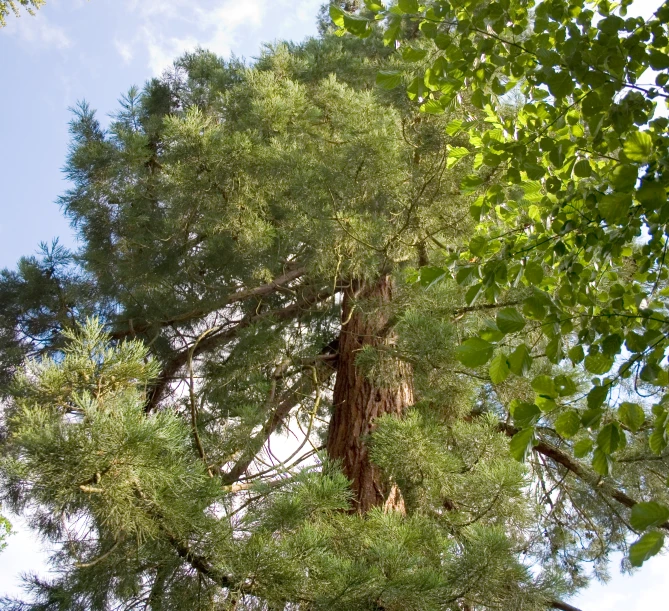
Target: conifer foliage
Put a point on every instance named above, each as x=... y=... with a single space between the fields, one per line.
x=247 y=388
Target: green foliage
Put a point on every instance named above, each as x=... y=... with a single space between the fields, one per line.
x=578 y=206
x=5 y=531
x=222 y=213
x=15 y=5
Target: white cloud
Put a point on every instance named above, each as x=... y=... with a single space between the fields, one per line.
x=170 y=28
x=640 y=591
x=38 y=31
x=125 y=50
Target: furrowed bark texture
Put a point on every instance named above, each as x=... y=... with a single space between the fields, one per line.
x=357 y=401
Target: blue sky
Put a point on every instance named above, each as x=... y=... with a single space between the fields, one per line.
x=74 y=50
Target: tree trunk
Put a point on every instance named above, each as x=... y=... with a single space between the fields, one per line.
x=358 y=401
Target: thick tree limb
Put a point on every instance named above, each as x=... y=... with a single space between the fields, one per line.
x=558 y=604
x=219 y=338
x=584 y=473
x=259 y=291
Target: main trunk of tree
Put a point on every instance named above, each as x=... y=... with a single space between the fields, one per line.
x=358 y=401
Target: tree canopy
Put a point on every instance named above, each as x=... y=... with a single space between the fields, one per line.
x=570 y=159
x=318 y=347
x=15 y=6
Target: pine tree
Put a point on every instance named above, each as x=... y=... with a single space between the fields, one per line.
x=251 y=239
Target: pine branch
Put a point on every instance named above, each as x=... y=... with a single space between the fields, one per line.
x=584 y=473
x=259 y=291
x=221 y=337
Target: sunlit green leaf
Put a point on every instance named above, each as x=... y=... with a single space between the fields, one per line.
x=544 y=385
x=582 y=448
x=520 y=360
x=388 y=79
x=568 y=424
x=474 y=352
x=598 y=363
x=509 y=320
x=631 y=415
x=499 y=369
x=646 y=547
x=638 y=146
x=521 y=444
x=648 y=515
x=608 y=438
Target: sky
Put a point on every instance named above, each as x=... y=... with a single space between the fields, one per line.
x=95 y=50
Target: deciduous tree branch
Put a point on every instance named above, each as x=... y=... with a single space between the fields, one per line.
x=584 y=473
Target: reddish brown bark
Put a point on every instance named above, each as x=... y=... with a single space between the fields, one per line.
x=357 y=401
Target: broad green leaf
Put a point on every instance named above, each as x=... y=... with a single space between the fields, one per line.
x=546 y=404
x=565 y=385
x=509 y=320
x=374 y=5
x=429 y=275
x=582 y=448
x=490 y=332
x=591 y=418
x=478 y=246
x=520 y=360
x=499 y=369
x=657 y=441
x=337 y=15
x=615 y=207
x=454 y=155
x=631 y=415
x=648 y=515
x=576 y=354
x=582 y=168
x=521 y=444
x=608 y=439
x=568 y=424
x=646 y=547
x=638 y=146
x=601 y=462
x=625 y=177
x=659 y=60
x=524 y=414
x=560 y=83
x=408 y=6
x=544 y=385
x=466 y=274
x=358 y=26
x=611 y=344
x=474 y=352
x=534 y=272
x=432 y=107
x=388 y=79
x=652 y=195
x=598 y=363
x=597 y=396
x=473 y=292
x=455 y=127
x=410 y=54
